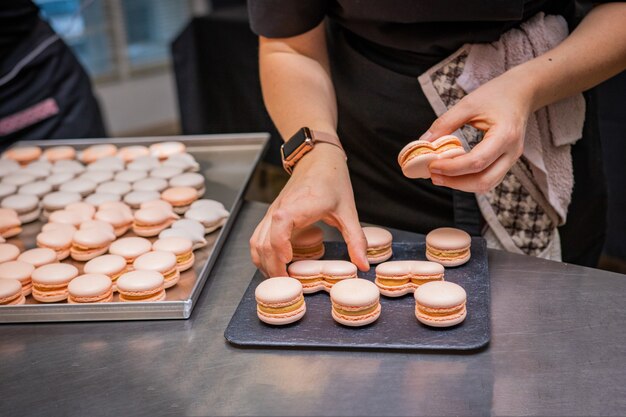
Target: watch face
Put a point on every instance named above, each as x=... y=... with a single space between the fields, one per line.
x=295 y=142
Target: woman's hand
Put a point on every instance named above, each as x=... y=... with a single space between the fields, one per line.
x=319 y=189
x=500 y=108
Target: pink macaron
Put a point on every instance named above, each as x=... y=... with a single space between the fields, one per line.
x=87 y=244
x=397 y=278
x=38 y=257
x=164 y=150
x=8 y=252
x=280 y=301
x=307 y=243
x=50 y=282
x=180 y=198
x=121 y=220
x=355 y=302
x=151 y=221
x=141 y=285
x=21 y=271
x=59 y=240
x=59 y=153
x=160 y=261
x=440 y=304
x=11 y=292
x=90 y=288
x=320 y=275
x=96 y=152
x=416 y=156
x=130 y=248
x=113 y=266
x=179 y=246
x=448 y=246
x=379 y=242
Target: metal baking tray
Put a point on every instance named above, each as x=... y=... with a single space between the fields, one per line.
x=227 y=163
x=397 y=327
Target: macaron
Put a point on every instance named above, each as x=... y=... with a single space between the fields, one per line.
x=66 y=217
x=210 y=219
x=151 y=184
x=58 y=240
x=416 y=156
x=280 y=301
x=197 y=241
x=355 y=302
x=8 y=252
x=120 y=220
x=130 y=248
x=379 y=242
x=56 y=180
x=23 y=155
x=90 y=288
x=130 y=153
x=181 y=247
x=164 y=205
x=194 y=228
x=135 y=198
x=118 y=205
x=38 y=188
x=307 y=243
x=58 y=200
x=165 y=173
x=26 y=206
x=87 y=244
x=207 y=204
x=58 y=153
x=95 y=152
x=114 y=187
x=50 y=282
x=440 y=304
x=6 y=190
x=39 y=172
x=184 y=160
x=189 y=179
x=97 y=199
x=97 y=224
x=164 y=150
x=10 y=226
x=19 y=178
x=108 y=163
x=140 y=285
x=8 y=166
x=113 y=266
x=41 y=164
x=160 y=261
x=448 y=246
x=180 y=198
x=144 y=163
x=130 y=176
x=11 y=292
x=38 y=257
x=74 y=167
x=151 y=221
x=21 y=271
x=397 y=278
x=321 y=275
x=98 y=176
x=83 y=209
x=82 y=186
x=64 y=227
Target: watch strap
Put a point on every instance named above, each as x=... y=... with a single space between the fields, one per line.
x=329 y=138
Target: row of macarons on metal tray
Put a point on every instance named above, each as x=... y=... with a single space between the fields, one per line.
x=88 y=201
x=356 y=301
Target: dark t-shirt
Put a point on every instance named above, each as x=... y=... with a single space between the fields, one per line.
x=17 y=19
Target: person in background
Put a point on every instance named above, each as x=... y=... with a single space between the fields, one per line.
x=350 y=70
x=44 y=91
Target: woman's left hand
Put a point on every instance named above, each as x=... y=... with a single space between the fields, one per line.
x=500 y=108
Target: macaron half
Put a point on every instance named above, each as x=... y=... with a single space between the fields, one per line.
x=355 y=302
x=50 y=282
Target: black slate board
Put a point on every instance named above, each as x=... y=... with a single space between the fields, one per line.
x=396 y=328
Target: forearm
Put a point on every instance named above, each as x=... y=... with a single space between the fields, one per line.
x=296 y=83
x=594 y=52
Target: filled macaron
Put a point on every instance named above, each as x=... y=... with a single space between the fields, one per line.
x=160 y=261
x=280 y=301
x=21 y=271
x=321 y=275
x=141 y=286
x=132 y=152
x=26 y=207
x=397 y=278
x=440 y=304
x=448 y=246
x=10 y=225
x=189 y=179
x=11 y=292
x=23 y=155
x=355 y=302
x=120 y=219
x=130 y=248
x=50 y=282
x=59 y=153
x=8 y=252
x=379 y=242
x=87 y=244
x=151 y=221
x=164 y=150
x=181 y=247
x=95 y=152
x=38 y=257
x=90 y=288
x=307 y=243
x=59 y=240
x=112 y=266
x=180 y=198
x=151 y=184
x=416 y=156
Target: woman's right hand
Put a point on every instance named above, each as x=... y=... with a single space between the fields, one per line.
x=319 y=189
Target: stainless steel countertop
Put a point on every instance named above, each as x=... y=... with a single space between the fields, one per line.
x=558 y=348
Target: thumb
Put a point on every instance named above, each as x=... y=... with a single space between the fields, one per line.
x=448 y=122
x=352 y=233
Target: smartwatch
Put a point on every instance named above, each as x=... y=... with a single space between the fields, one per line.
x=302 y=143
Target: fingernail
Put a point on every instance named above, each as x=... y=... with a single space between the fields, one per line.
x=426 y=135
x=436 y=180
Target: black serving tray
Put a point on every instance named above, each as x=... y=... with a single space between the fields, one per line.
x=396 y=328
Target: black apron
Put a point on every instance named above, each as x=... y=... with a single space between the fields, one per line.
x=380 y=110
x=50 y=98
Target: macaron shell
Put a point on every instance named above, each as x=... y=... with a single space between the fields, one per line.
x=38 y=256
x=417 y=167
x=355 y=292
x=448 y=238
x=53 y=274
x=160 y=261
x=440 y=294
x=130 y=247
x=414 y=268
x=8 y=252
x=278 y=290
